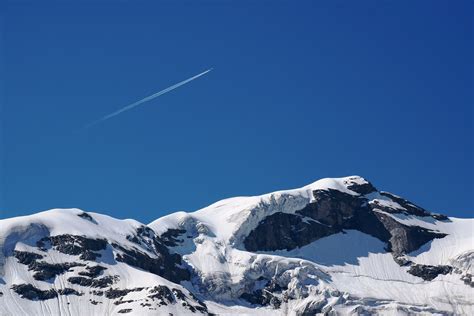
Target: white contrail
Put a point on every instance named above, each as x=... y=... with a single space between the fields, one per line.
x=151 y=97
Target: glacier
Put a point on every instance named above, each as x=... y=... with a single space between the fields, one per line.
x=338 y=246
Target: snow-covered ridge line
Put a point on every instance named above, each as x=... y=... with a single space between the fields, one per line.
x=226 y=216
x=336 y=246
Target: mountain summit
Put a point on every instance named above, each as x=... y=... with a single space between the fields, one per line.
x=337 y=247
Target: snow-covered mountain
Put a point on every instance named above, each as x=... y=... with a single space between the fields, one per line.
x=336 y=247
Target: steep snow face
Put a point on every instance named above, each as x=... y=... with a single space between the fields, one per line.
x=233 y=218
x=336 y=246
x=68 y=262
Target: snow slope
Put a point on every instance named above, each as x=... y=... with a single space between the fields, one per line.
x=352 y=262
x=22 y=233
x=337 y=246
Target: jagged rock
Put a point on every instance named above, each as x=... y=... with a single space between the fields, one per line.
x=27 y=258
x=120 y=302
x=75 y=245
x=405 y=239
x=262 y=297
x=30 y=292
x=163 y=294
x=166 y=265
x=97 y=283
x=362 y=188
x=93 y=272
x=266 y=295
x=118 y=293
x=331 y=212
x=125 y=311
x=46 y=271
x=427 y=272
x=170 y=237
x=43 y=270
x=88 y=217
x=285 y=231
x=409 y=207
x=345 y=272
x=69 y=291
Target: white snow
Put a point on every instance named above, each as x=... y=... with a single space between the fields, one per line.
x=356 y=263
x=347 y=271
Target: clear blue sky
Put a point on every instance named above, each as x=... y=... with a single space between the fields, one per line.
x=299 y=91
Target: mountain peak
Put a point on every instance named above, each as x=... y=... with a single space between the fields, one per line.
x=351 y=185
x=335 y=246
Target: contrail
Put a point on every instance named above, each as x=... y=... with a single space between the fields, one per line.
x=149 y=98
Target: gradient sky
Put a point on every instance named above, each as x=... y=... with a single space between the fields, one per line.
x=298 y=92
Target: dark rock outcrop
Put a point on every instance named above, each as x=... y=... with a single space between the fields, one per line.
x=88 y=217
x=405 y=239
x=410 y=208
x=170 y=237
x=69 y=291
x=46 y=271
x=263 y=298
x=124 y=311
x=30 y=292
x=332 y=212
x=166 y=264
x=162 y=294
x=119 y=293
x=27 y=258
x=92 y=271
x=96 y=283
x=85 y=248
x=43 y=270
x=285 y=231
x=267 y=296
x=427 y=272
x=362 y=188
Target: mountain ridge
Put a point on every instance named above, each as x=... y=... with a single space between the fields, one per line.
x=330 y=247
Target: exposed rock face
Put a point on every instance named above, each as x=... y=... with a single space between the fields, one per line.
x=114 y=293
x=93 y=271
x=30 y=292
x=167 y=265
x=363 y=188
x=85 y=248
x=95 y=282
x=409 y=208
x=170 y=237
x=43 y=270
x=427 y=272
x=69 y=291
x=331 y=212
x=404 y=239
x=323 y=249
x=285 y=231
x=265 y=296
x=27 y=258
x=163 y=294
x=88 y=217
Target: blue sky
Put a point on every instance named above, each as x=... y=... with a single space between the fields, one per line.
x=299 y=91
